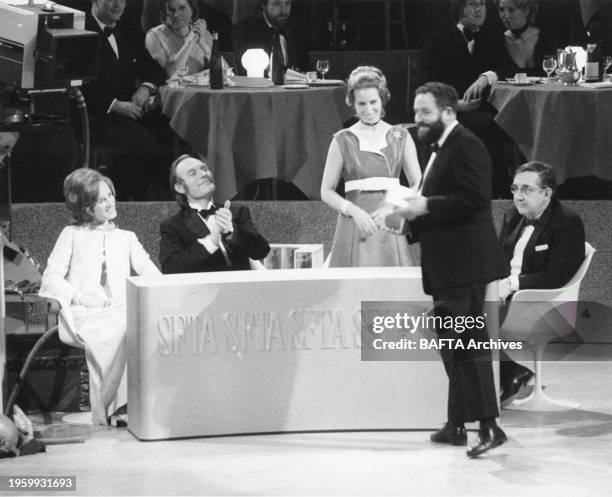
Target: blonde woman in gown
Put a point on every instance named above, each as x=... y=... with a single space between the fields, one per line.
x=86 y=273
x=369 y=156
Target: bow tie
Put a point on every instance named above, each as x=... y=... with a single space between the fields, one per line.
x=435 y=148
x=529 y=222
x=208 y=212
x=470 y=35
x=108 y=31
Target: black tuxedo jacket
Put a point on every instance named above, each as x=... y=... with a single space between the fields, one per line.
x=254 y=32
x=118 y=77
x=445 y=58
x=459 y=244
x=180 y=251
x=554 y=251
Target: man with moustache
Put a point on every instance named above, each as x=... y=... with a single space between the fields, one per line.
x=451 y=217
x=258 y=31
x=543 y=246
x=204 y=236
x=458 y=57
x=137 y=137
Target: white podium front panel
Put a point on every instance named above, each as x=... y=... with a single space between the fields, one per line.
x=270 y=351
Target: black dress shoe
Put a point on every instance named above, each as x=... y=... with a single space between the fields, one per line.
x=488 y=438
x=511 y=389
x=450 y=434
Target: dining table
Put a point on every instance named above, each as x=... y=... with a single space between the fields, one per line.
x=568 y=127
x=254 y=133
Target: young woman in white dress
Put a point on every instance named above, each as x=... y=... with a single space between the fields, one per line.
x=86 y=273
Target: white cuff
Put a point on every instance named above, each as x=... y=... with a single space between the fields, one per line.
x=110 y=107
x=491 y=77
x=208 y=244
x=514 y=283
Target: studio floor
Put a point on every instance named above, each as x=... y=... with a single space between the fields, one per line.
x=548 y=453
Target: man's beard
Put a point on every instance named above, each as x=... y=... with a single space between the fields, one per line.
x=430 y=133
x=279 y=22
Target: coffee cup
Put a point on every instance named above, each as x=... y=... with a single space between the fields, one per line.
x=520 y=77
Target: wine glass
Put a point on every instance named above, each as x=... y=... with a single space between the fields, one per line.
x=322 y=67
x=181 y=72
x=606 y=60
x=549 y=64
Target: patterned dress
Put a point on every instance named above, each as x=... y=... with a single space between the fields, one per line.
x=385 y=161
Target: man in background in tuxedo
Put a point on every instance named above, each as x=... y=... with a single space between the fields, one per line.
x=137 y=137
x=257 y=32
x=543 y=245
x=460 y=254
x=458 y=57
x=204 y=236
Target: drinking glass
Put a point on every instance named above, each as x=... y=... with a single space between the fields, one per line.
x=606 y=60
x=322 y=67
x=181 y=72
x=549 y=64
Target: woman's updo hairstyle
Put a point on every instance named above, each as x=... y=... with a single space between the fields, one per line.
x=367 y=77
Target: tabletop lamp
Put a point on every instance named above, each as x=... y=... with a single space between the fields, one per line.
x=255 y=60
x=581 y=56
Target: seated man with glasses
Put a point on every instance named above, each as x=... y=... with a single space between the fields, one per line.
x=543 y=244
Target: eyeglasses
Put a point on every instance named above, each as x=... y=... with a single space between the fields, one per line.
x=524 y=189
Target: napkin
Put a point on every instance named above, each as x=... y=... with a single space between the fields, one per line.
x=600 y=84
x=292 y=75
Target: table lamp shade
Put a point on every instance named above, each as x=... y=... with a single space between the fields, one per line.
x=581 y=56
x=255 y=61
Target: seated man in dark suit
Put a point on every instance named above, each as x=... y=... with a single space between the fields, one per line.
x=257 y=32
x=138 y=139
x=204 y=236
x=457 y=57
x=543 y=244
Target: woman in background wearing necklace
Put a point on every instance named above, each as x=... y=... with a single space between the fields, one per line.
x=525 y=43
x=86 y=273
x=369 y=156
x=182 y=39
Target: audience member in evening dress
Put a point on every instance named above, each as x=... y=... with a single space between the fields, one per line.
x=182 y=39
x=86 y=273
x=134 y=136
x=203 y=236
x=457 y=57
x=369 y=156
x=543 y=245
x=258 y=31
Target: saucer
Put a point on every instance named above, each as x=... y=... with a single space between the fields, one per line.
x=295 y=86
x=326 y=82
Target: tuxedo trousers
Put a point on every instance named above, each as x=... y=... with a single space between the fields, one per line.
x=471 y=387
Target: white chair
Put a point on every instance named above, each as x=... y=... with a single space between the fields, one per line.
x=535 y=317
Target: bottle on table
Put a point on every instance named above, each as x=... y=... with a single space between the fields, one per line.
x=277 y=65
x=331 y=41
x=343 y=44
x=216 y=64
x=593 y=70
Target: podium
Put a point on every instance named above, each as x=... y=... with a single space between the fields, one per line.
x=271 y=351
